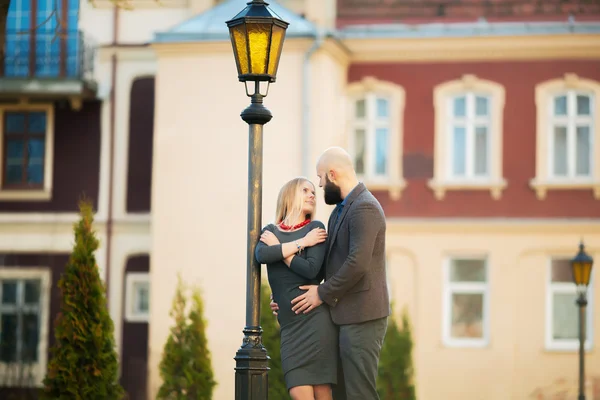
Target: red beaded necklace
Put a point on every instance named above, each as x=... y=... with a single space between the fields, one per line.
x=285 y=227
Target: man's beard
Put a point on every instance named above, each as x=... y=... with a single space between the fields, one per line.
x=333 y=193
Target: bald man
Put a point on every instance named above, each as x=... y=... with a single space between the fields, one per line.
x=355 y=286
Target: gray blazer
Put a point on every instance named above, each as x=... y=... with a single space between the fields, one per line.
x=355 y=284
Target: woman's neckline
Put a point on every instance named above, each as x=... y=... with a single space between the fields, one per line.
x=299 y=229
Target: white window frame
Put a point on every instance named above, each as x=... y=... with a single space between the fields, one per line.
x=42 y=273
x=443 y=180
x=370 y=89
x=132 y=278
x=45 y=193
x=451 y=288
x=470 y=121
x=569 y=345
x=571 y=122
x=544 y=99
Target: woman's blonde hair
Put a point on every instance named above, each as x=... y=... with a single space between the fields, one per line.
x=290 y=202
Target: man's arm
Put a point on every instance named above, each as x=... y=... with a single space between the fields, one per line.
x=365 y=223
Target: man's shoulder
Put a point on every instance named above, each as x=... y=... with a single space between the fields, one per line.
x=367 y=198
x=366 y=201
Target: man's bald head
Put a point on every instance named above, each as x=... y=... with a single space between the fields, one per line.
x=336 y=174
x=336 y=159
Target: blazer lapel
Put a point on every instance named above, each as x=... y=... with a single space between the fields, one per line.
x=355 y=193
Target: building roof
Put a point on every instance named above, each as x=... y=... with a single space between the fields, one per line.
x=210 y=26
x=468 y=29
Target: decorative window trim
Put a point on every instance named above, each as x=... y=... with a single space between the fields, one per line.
x=567 y=345
x=45 y=193
x=466 y=287
x=131 y=279
x=42 y=273
x=394 y=183
x=543 y=95
x=495 y=183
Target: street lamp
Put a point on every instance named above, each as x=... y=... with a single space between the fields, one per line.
x=257 y=36
x=582 y=271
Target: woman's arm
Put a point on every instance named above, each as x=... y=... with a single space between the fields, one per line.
x=309 y=267
x=289 y=249
x=266 y=254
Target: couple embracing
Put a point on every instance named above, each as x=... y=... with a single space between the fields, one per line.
x=331 y=331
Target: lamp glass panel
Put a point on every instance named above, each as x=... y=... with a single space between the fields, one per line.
x=258 y=39
x=276 y=46
x=582 y=272
x=240 y=43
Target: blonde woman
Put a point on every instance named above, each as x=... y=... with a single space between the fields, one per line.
x=294 y=249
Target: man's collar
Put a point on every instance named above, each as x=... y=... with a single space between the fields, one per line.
x=343 y=203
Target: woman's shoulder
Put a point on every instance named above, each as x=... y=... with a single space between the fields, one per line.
x=269 y=227
x=316 y=224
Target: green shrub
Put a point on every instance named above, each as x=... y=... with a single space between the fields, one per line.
x=84 y=363
x=395 y=375
x=186 y=368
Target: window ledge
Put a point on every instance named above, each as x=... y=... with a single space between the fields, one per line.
x=393 y=186
x=567 y=348
x=450 y=343
x=441 y=187
x=25 y=195
x=541 y=187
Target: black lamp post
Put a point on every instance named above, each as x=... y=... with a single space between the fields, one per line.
x=582 y=271
x=257 y=36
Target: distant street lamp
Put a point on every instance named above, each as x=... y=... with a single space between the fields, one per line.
x=582 y=271
x=257 y=36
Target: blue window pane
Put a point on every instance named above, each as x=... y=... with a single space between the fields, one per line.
x=32 y=291
x=37 y=122
x=560 y=150
x=72 y=55
x=481 y=106
x=9 y=292
x=382 y=108
x=35 y=148
x=560 y=105
x=15 y=149
x=459 y=166
x=35 y=171
x=30 y=339
x=14 y=174
x=381 y=157
x=15 y=122
x=460 y=106
x=583 y=147
x=583 y=105
x=8 y=340
x=16 y=60
x=481 y=150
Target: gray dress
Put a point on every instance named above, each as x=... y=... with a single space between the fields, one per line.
x=309 y=342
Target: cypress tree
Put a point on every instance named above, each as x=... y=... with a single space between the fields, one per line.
x=186 y=368
x=84 y=363
x=395 y=375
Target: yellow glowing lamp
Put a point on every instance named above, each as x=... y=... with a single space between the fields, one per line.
x=582 y=268
x=257 y=36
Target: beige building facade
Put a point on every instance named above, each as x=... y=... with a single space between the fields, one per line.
x=479 y=260
x=488 y=295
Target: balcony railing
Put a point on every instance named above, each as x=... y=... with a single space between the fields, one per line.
x=47 y=55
